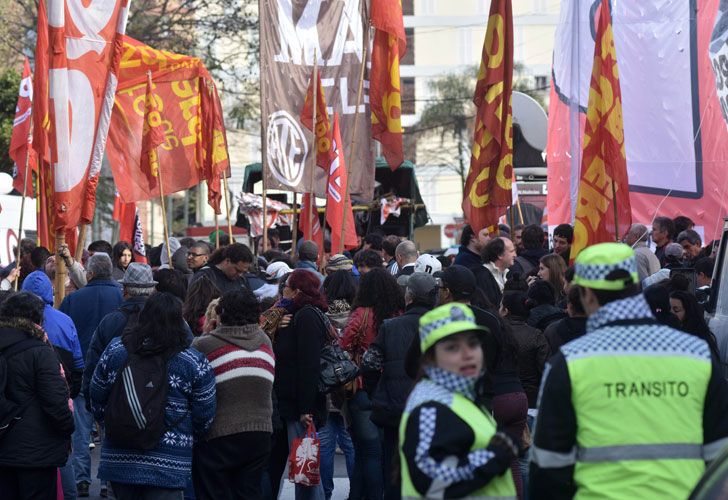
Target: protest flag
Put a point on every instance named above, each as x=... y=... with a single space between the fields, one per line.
x=152 y=136
x=487 y=193
x=338 y=205
x=130 y=227
x=603 y=211
x=21 y=140
x=322 y=130
x=385 y=96
x=309 y=222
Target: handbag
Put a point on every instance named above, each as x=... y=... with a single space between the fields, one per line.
x=304 y=459
x=337 y=368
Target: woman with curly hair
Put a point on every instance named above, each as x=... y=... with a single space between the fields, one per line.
x=340 y=290
x=297 y=349
x=379 y=298
x=122 y=257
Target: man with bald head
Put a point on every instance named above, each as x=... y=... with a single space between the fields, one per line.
x=647 y=262
x=406 y=257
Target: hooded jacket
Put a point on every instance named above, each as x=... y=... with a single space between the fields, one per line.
x=42 y=437
x=60 y=329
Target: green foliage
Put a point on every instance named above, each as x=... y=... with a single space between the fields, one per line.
x=9 y=84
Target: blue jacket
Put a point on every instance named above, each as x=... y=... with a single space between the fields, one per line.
x=190 y=402
x=112 y=326
x=89 y=305
x=59 y=327
x=310 y=266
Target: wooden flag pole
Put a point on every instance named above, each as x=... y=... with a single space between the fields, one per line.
x=352 y=148
x=294 y=237
x=520 y=212
x=217 y=232
x=616 y=216
x=80 y=243
x=22 y=201
x=314 y=149
x=164 y=213
x=265 y=215
x=227 y=207
x=59 y=291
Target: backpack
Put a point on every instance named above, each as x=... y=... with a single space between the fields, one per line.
x=10 y=412
x=135 y=412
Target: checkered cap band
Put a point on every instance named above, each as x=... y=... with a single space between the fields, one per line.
x=594 y=264
x=444 y=321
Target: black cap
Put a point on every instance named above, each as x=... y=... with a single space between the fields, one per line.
x=458 y=279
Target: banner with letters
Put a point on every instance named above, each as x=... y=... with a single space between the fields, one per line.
x=675 y=139
x=290 y=34
x=188 y=112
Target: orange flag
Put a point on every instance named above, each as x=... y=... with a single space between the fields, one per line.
x=152 y=135
x=487 y=193
x=337 y=207
x=604 y=185
x=385 y=97
x=324 y=153
x=21 y=140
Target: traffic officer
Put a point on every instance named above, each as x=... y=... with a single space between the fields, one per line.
x=450 y=447
x=633 y=409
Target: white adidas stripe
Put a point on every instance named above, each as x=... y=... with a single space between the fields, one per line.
x=246 y=371
x=242 y=354
x=133 y=399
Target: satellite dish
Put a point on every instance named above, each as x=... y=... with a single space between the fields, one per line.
x=531 y=118
x=6 y=183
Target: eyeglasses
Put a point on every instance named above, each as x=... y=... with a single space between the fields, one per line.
x=191 y=254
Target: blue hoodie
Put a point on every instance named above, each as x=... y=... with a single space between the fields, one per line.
x=59 y=327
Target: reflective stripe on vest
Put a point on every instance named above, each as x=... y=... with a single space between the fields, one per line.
x=483 y=427
x=466 y=498
x=666 y=451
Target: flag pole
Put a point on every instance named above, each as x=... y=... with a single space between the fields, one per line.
x=79 y=244
x=294 y=229
x=265 y=214
x=227 y=206
x=616 y=216
x=352 y=148
x=314 y=149
x=25 y=193
x=217 y=232
x=520 y=212
x=60 y=287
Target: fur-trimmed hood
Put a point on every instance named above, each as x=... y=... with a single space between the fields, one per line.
x=24 y=325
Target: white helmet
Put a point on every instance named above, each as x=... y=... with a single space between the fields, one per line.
x=427 y=263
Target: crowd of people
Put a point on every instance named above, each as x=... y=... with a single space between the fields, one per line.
x=477 y=367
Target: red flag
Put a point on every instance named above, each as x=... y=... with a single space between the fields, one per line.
x=130 y=227
x=324 y=153
x=152 y=135
x=77 y=60
x=385 y=97
x=310 y=212
x=194 y=147
x=336 y=206
x=604 y=184
x=21 y=141
x=487 y=193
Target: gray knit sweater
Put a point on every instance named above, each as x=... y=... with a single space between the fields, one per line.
x=243 y=362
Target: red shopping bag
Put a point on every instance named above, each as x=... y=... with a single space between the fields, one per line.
x=303 y=462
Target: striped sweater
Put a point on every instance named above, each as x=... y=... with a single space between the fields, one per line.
x=242 y=360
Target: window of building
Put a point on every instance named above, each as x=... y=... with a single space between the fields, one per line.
x=408 y=7
x=409 y=57
x=408 y=95
x=542 y=82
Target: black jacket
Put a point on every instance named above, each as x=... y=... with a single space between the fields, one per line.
x=42 y=437
x=527 y=262
x=390 y=348
x=564 y=331
x=533 y=352
x=297 y=350
x=467 y=258
x=542 y=316
x=485 y=280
